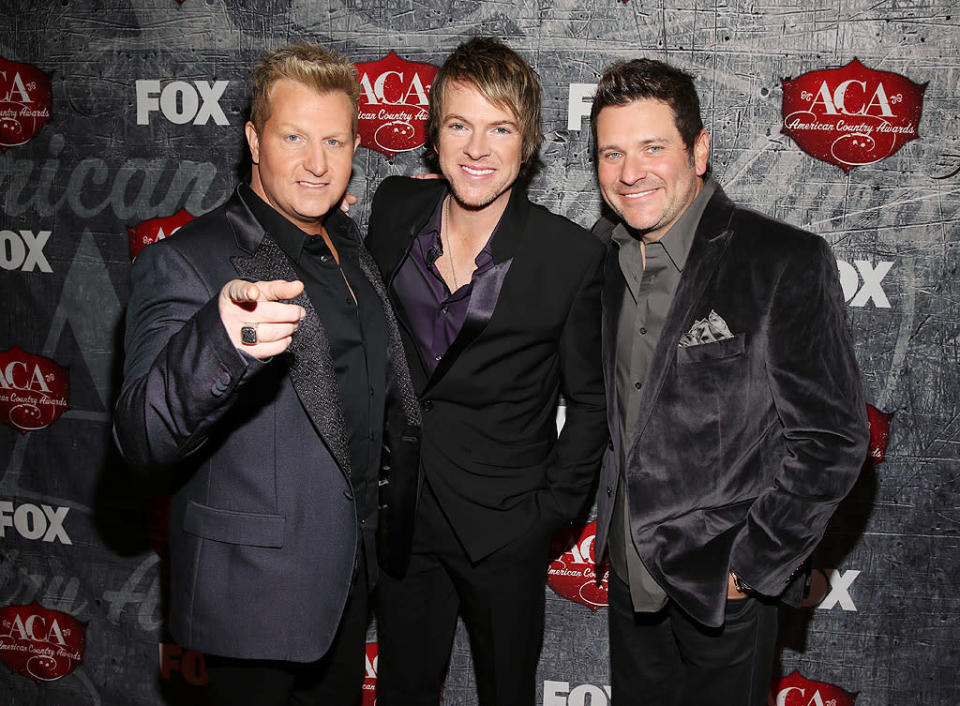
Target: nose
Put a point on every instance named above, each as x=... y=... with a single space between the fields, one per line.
x=477 y=146
x=315 y=160
x=633 y=170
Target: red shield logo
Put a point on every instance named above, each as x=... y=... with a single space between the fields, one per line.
x=394 y=97
x=25 y=101
x=155 y=229
x=33 y=390
x=852 y=115
x=879 y=434
x=573 y=573
x=369 y=696
x=797 y=690
x=40 y=644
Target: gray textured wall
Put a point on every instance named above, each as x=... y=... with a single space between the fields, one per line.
x=93 y=171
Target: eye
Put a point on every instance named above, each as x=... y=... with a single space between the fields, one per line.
x=334 y=142
x=293 y=139
x=502 y=130
x=611 y=156
x=457 y=126
x=653 y=149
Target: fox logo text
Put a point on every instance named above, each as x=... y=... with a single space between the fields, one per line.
x=23 y=250
x=181 y=102
x=861 y=282
x=42 y=522
x=560 y=693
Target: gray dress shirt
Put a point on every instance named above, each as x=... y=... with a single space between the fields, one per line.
x=646 y=301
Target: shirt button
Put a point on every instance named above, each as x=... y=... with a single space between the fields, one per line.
x=324 y=258
x=443 y=310
x=643 y=331
x=371 y=390
x=637 y=385
x=438 y=356
x=427 y=405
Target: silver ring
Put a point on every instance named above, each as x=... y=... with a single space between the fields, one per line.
x=248 y=335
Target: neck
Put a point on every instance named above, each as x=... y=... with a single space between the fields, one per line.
x=468 y=221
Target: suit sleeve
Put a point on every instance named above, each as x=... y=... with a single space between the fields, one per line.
x=575 y=462
x=181 y=369
x=816 y=389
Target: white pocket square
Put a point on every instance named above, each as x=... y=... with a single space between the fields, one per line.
x=708 y=330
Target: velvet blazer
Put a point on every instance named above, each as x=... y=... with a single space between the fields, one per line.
x=743 y=447
x=490 y=449
x=263 y=529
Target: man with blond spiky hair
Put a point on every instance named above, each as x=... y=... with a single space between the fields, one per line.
x=264 y=373
x=499 y=308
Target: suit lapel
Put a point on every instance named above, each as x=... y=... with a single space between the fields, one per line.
x=614 y=287
x=309 y=357
x=709 y=244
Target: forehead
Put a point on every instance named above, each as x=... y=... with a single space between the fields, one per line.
x=297 y=102
x=466 y=100
x=642 y=119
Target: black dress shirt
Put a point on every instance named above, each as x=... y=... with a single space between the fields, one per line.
x=355 y=329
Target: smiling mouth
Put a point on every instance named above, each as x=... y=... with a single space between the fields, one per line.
x=477 y=171
x=310 y=185
x=638 y=194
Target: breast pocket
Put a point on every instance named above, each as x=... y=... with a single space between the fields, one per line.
x=718 y=350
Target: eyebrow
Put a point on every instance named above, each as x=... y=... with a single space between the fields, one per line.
x=463 y=119
x=642 y=143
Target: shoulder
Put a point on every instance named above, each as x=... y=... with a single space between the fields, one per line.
x=563 y=237
x=407 y=190
x=759 y=236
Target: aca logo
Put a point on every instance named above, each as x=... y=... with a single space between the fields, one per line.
x=369 y=696
x=25 y=102
x=573 y=573
x=394 y=97
x=154 y=229
x=879 y=434
x=181 y=102
x=797 y=690
x=40 y=644
x=33 y=390
x=852 y=115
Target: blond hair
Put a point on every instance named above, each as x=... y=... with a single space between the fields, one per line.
x=309 y=64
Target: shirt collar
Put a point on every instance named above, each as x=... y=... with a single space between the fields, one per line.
x=289 y=237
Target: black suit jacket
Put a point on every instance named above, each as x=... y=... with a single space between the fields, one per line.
x=490 y=449
x=743 y=447
x=263 y=528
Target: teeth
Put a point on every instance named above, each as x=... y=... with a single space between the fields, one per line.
x=477 y=172
x=638 y=194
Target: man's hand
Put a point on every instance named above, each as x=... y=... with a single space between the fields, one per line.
x=732 y=590
x=347 y=201
x=255 y=317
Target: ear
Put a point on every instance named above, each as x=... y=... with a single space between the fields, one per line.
x=356 y=143
x=253 y=141
x=701 y=152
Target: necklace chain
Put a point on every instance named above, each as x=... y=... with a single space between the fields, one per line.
x=449 y=243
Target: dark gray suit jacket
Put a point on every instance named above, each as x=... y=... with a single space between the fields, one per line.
x=263 y=529
x=743 y=447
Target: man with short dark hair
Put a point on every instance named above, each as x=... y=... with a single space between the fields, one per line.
x=499 y=307
x=734 y=404
x=264 y=373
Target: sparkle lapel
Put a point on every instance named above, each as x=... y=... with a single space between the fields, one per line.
x=309 y=358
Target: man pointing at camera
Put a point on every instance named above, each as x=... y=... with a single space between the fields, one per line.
x=264 y=374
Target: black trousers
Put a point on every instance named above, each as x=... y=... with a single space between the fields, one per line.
x=668 y=659
x=501 y=601
x=334 y=679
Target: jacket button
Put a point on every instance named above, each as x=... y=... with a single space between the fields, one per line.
x=348 y=495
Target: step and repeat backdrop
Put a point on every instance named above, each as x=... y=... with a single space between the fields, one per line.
x=122 y=120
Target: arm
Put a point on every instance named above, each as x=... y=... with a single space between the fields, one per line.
x=183 y=359
x=813 y=378
x=576 y=456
